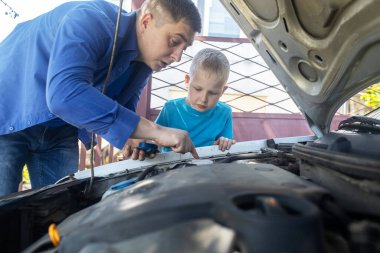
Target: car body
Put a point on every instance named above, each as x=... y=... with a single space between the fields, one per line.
x=302 y=194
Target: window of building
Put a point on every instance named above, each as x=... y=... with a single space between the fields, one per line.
x=217 y=22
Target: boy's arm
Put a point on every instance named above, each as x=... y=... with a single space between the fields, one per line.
x=227 y=131
x=225 y=139
x=162 y=118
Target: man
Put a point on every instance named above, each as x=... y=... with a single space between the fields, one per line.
x=52 y=72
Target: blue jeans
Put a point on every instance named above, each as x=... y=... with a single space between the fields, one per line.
x=49 y=152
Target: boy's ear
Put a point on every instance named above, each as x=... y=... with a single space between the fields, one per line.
x=187 y=80
x=224 y=89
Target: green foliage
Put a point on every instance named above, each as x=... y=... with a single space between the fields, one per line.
x=25 y=175
x=371 y=96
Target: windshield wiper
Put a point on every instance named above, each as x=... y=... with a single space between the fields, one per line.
x=360 y=124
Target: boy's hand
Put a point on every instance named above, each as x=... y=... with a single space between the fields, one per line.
x=224 y=143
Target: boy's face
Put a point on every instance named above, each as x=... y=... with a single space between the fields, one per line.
x=205 y=89
x=161 y=45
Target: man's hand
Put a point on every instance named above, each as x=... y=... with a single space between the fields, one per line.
x=131 y=151
x=176 y=139
x=224 y=143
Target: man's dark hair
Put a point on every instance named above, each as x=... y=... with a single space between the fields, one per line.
x=178 y=9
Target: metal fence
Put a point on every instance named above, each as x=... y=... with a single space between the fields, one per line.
x=252 y=87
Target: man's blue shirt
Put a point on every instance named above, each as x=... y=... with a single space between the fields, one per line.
x=54 y=67
x=204 y=127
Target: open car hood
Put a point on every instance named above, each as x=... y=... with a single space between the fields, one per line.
x=322 y=52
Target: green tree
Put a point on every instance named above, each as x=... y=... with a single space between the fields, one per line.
x=371 y=96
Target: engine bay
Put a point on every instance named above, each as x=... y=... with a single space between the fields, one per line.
x=283 y=197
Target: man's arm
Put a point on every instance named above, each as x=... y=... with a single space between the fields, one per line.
x=77 y=53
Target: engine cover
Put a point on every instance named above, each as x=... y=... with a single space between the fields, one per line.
x=211 y=208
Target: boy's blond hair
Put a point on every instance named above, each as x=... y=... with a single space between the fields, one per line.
x=212 y=61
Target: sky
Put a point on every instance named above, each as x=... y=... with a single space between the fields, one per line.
x=26 y=10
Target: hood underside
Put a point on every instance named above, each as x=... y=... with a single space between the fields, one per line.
x=322 y=52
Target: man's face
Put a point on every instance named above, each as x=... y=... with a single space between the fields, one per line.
x=205 y=89
x=161 y=45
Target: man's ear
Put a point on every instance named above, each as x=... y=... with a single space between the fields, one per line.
x=145 y=20
x=187 y=80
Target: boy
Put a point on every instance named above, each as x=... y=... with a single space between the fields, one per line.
x=207 y=120
x=52 y=72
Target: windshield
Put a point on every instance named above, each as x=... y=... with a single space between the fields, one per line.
x=364 y=103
